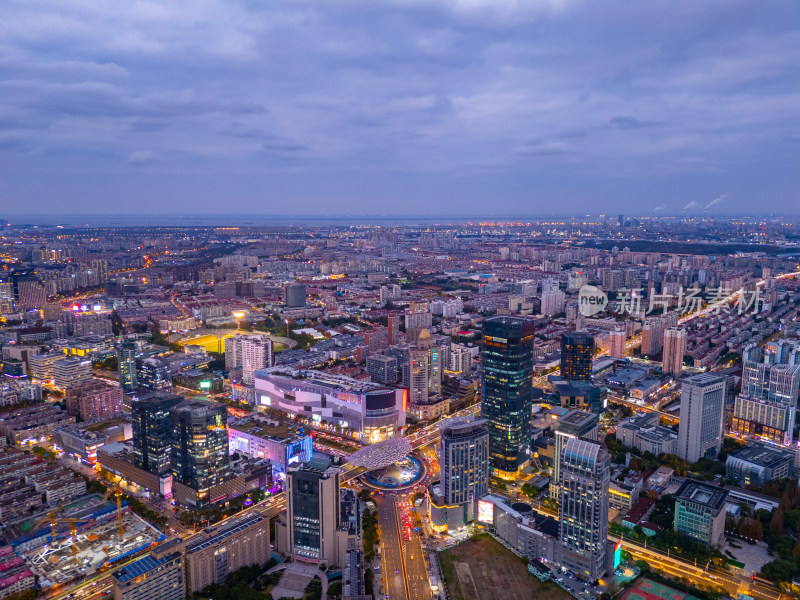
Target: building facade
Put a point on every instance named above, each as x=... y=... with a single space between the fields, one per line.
x=199 y=453
x=577 y=348
x=507 y=381
x=126 y=366
x=700 y=432
x=583 y=511
x=312 y=510
x=674 y=349
x=152 y=431
x=700 y=512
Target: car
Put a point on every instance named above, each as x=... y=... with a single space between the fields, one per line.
x=396 y=571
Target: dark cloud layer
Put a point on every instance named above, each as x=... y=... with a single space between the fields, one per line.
x=399 y=107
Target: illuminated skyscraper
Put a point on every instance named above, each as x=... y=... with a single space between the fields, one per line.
x=576 y=356
x=200 y=445
x=126 y=364
x=507 y=381
x=583 y=511
x=152 y=431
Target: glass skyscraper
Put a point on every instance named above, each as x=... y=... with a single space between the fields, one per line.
x=126 y=364
x=152 y=431
x=507 y=381
x=576 y=356
x=200 y=445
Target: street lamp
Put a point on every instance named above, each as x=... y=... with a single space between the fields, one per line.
x=238 y=314
x=287 y=327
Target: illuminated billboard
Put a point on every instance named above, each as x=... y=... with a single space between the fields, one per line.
x=485 y=512
x=617 y=555
x=205 y=385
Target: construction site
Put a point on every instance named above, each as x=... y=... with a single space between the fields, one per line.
x=82 y=536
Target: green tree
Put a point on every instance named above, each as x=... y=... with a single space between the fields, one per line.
x=779 y=570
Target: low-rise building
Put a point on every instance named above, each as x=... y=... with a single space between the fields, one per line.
x=258 y=436
x=158 y=575
x=622 y=496
x=32 y=424
x=756 y=464
x=700 y=512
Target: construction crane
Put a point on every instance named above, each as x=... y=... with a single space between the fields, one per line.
x=54 y=521
x=117 y=491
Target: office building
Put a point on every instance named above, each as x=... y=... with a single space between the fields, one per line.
x=577 y=348
x=157 y=575
x=216 y=552
x=94 y=400
x=756 y=464
x=674 y=349
x=642 y=432
x=313 y=510
x=153 y=375
x=199 y=455
x=250 y=353
x=382 y=368
x=464 y=472
x=702 y=413
x=295 y=296
x=152 y=431
x=700 y=512
x=617 y=343
x=507 y=381
x=766 y=408
x=375 y=411
x=583 y=510
x=126 y=365
x=574 y=424
x=71 y=370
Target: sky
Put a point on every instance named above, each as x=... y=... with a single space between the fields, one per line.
x=399 y=107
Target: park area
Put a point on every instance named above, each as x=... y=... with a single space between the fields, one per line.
x=483 y=569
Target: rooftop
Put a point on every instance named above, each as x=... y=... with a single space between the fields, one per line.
x=139 y=567
x=701 y=493
x=762 y=455
x=704 y=379
x=263 y=429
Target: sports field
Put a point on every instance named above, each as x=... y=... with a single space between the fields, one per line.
x=485 y=570
x=216 y=343
x=647 y=589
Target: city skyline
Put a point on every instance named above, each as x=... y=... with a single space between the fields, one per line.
x=407 y=109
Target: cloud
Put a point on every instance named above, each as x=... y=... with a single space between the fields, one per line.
x=408 y=104
x=142 y=158
x=628 y=122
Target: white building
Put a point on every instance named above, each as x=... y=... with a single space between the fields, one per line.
x=553 y=302
x=702 y=413
x=250 y=352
